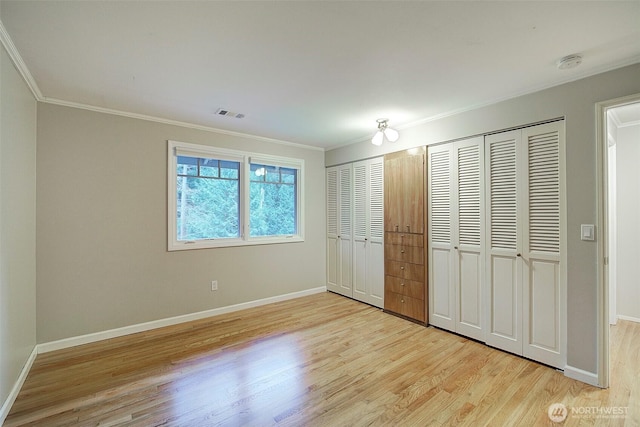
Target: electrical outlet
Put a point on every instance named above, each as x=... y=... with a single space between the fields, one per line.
x=214 y=285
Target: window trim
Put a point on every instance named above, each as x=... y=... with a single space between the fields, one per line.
x=175 y=148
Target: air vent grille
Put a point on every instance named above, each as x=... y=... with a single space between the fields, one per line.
x=227 y=113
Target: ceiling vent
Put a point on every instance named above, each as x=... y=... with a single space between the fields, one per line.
x=227 y=113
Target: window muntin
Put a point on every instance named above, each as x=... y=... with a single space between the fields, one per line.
x=216 y=198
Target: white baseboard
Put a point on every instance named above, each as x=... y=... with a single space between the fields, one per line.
x=629 y=318
x=581 y=375
x=6 y=406
x=141 y=327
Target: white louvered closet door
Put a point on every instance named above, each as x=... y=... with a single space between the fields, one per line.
x=339 y=229
x=332 y=230
x=375 y=246
x=468 y=235
x=368 y=230
x=503 y=298
x=456 y=236
x=345 y=231
x=360 y=229
x=440 y=269
x=544 y=296
x=526 y=299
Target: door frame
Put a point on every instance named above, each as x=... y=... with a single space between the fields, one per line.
x=602 y=232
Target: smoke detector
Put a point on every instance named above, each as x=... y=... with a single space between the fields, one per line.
x=569 y=61
x=227 y=113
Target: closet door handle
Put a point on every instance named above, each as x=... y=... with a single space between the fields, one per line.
x=519 y=255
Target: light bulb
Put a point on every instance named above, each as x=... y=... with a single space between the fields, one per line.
x=377 y=138
x=391 y=134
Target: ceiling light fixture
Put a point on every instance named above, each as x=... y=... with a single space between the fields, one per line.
x=384 y=131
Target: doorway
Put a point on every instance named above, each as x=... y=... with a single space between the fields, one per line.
x=618 y=122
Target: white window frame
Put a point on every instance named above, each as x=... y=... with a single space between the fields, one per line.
x=245 y=158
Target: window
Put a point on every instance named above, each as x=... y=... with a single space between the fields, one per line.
x=229 y=198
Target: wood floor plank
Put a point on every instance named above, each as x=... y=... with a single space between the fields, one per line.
x=322 y=360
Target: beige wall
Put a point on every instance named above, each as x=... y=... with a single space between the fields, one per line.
x=17 y=224
x=102 y=259
x=576 y=102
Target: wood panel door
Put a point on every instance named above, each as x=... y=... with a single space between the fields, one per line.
x=404 y=193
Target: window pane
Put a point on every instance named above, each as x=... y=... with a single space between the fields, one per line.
x=257 y=172
x=209 y=167
x=229 y=169
x=288 y=175
x=272 y=174
x=187 y=166
x=207 y=208
x=273 y=209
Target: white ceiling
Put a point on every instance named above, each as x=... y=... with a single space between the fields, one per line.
x=312 y=72
x=627 y=115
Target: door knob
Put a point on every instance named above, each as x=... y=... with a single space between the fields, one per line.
x=518 y=255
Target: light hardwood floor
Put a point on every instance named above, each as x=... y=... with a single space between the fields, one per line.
x=322 y=360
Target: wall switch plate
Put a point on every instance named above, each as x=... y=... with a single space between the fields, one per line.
x=214 y=285
x=587 y=232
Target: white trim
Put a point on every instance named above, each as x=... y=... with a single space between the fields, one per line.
x=13 y=53
x=141 y=327
x=629 y=318
x=13 y=394
x=580 y=375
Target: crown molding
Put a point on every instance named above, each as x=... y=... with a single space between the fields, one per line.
x=71 y=104
x=13 y=53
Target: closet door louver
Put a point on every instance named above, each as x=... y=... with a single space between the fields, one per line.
x=332 y=203
x=376 y=208
x=544 y=193
x=469 y=201
x=502 y=167
x=440 y=196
